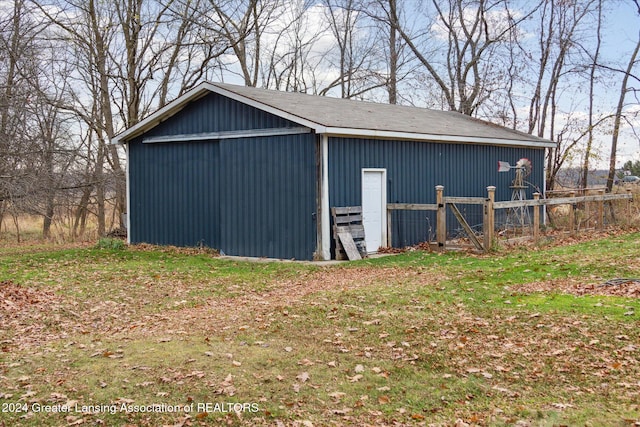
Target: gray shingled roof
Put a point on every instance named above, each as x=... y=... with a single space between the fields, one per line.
x=346 y=113
x=348 y=117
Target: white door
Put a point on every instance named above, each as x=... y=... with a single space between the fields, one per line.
x=374 y=207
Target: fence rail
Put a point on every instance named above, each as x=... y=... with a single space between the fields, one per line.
x=491 y=206
x=561 y=201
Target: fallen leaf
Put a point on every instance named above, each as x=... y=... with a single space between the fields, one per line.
x=355 y=378
x=562 y=405
x=303 y=377
x=74 y=421
x=383 y=400
x=337 y=395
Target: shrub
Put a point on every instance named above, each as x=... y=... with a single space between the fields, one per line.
x=110 y=243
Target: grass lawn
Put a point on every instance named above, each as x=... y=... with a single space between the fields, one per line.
x=160 y=336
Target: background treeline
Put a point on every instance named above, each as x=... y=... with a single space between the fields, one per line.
x=73 y=73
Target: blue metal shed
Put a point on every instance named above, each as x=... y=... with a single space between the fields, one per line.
x=253 y=172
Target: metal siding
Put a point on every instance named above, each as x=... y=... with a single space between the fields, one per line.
x=415 y=168
x=249 y=196
x=174 y=195
x=268 y=196
x=215 y=113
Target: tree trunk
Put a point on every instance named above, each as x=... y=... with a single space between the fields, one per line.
x=585 y=164
x=393 y=54
x=618 y=117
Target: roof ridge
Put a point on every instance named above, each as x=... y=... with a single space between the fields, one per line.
x=375 y=104
x=351 y=117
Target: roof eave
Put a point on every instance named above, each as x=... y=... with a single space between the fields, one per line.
x=162 y=114
x=205 y=88
x=380 y=134
x=317 y=127
x=200 y=91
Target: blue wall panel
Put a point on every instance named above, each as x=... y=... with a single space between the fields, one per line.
x=246 y=196
x=215 y=113
x=249 y=196
x=257 y=196
x=415 y=168
x=174 y=193
x=268 y=185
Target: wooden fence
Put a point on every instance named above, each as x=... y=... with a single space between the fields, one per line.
x=490 y=206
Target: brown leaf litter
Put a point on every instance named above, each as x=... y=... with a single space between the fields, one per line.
x=221 y=312
x=629 y=288
x=27 y=315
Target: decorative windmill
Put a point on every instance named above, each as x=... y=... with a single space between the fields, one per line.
x=518 y=216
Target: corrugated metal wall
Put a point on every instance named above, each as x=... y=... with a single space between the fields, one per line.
x=413 y=171
x=247 y=196
x=174 y=193
x=268 y=196
x=257 y=196
x=215 y=113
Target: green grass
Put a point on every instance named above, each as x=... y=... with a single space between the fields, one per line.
x=407 y=339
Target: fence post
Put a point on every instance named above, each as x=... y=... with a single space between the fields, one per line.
x=536 y=218
x=441 y=218
x=587 y=207
x=601 y=210
x=572 y=215
x=489 y=218
x=629 y=203
x=389 y=226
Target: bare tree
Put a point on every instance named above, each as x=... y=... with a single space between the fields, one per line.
x=392 y=85
x=555 y=63
x=126 y=58
x=624 y=88
x=458 y=47
x=356 y=47
x=584 y=179
x=36 y=147
x=189 y=52
x=17 y=140
x=241 y=24
x=290 y=60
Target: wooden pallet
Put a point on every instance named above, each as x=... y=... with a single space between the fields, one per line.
x=348 y=220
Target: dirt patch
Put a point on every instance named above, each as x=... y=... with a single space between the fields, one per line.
x=217 y=314
x=619 y=287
